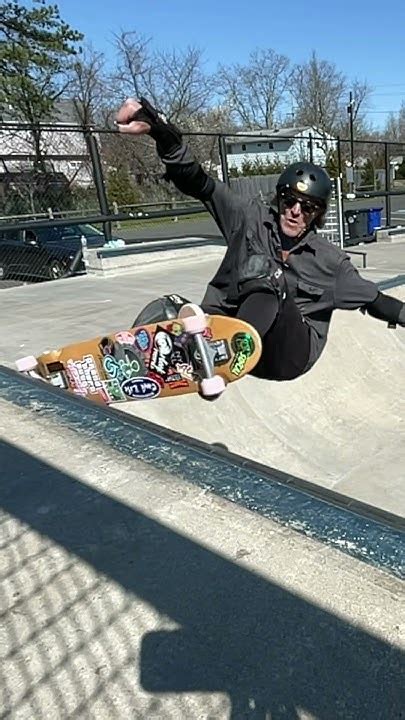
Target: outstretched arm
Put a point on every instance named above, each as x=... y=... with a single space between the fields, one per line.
x=352 y=292
x=182 y=169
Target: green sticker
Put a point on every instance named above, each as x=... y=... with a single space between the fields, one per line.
x=243 y=343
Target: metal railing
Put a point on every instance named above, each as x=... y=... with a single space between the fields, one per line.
x=88 y=175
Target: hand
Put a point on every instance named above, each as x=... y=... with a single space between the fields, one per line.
x=123 y=119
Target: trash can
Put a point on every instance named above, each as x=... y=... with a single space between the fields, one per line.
x=357 y=222
x=373 y=220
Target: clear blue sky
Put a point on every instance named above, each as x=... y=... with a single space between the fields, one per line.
x=364 y=39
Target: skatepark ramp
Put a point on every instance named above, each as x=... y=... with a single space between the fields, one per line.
x=341 y=426
x=146 y=574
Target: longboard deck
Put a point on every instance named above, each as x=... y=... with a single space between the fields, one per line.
x=150 y=361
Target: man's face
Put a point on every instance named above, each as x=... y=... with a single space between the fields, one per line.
x=296 y=213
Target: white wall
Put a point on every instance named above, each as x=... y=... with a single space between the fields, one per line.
x=284 y=150
x=19 y=142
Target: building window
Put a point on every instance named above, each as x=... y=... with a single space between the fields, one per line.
x=271 y=146
x=243 y=148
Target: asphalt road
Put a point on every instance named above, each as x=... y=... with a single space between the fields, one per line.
x=204 y=225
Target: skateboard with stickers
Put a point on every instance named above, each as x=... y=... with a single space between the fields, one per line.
x=194 y=353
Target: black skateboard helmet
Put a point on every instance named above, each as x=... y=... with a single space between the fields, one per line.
x=307 y=180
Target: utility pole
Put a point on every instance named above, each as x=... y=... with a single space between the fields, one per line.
x=350 y=175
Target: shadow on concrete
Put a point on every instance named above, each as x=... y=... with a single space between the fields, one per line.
x=274 y=654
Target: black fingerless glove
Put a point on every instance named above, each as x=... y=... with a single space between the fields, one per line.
x=387 y=308
x=168 y=138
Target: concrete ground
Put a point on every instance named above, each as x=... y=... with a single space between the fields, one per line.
x=320 y=427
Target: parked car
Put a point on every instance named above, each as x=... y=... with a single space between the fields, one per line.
x=46 y=253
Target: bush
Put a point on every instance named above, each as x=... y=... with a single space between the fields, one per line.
x=120 y=187
x=257 y=167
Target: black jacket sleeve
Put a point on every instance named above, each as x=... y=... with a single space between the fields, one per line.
x=225 y=206
x=387 y=308
x=352 y=292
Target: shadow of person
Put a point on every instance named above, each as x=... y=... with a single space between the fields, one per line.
x=274 y=653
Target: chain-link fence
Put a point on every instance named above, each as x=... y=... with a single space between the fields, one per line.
x=373 y=177
x=65 y=186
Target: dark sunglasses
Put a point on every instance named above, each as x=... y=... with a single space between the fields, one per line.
x=307 y=207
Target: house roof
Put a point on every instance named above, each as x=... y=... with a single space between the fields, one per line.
x=249 y=136
x=64 y=112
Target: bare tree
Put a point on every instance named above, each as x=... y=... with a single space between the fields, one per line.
x=254 y=91
x=318 y=90
x=174 y=81
x=135 y=65
x=182 y=87
x=395 y=126
x=89 y=85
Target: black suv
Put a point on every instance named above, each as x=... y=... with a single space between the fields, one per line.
x=46 y=253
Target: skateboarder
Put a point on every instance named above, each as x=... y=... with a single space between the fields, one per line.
x=278 y=274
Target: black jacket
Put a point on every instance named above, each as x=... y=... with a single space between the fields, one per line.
x=319 y=275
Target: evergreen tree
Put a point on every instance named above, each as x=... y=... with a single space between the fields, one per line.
x=36 y=47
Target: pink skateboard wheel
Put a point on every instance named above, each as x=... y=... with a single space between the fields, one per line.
x=26 y=364
x=212 y=386
x=193 y=318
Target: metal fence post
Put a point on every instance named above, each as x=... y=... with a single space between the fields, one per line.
x=98 y=179
x=339 y=156
x=387 y=186
x=339 y=182
x=311 y=148
x=339 y=205
x=223 y=158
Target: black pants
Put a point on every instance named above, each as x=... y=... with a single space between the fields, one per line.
x=285 y=335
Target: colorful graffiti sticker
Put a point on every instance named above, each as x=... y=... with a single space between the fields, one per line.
x=179 y=384
x=123 y=369
x=106 y=346
x=141 y=388
x=239 y=363
x=83 y=375
x=176 y=329
x=180 y=356
x=142 y=339
x=113 y=388
x=185 y=370
x=125 y=338
x=173 y=377
x=243 y=342
x=75 y=379
x=156 y=378
x=161 y=355
x=243 y=346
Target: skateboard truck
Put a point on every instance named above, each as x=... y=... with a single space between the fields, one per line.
x=29 y=366
x=194 y=322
